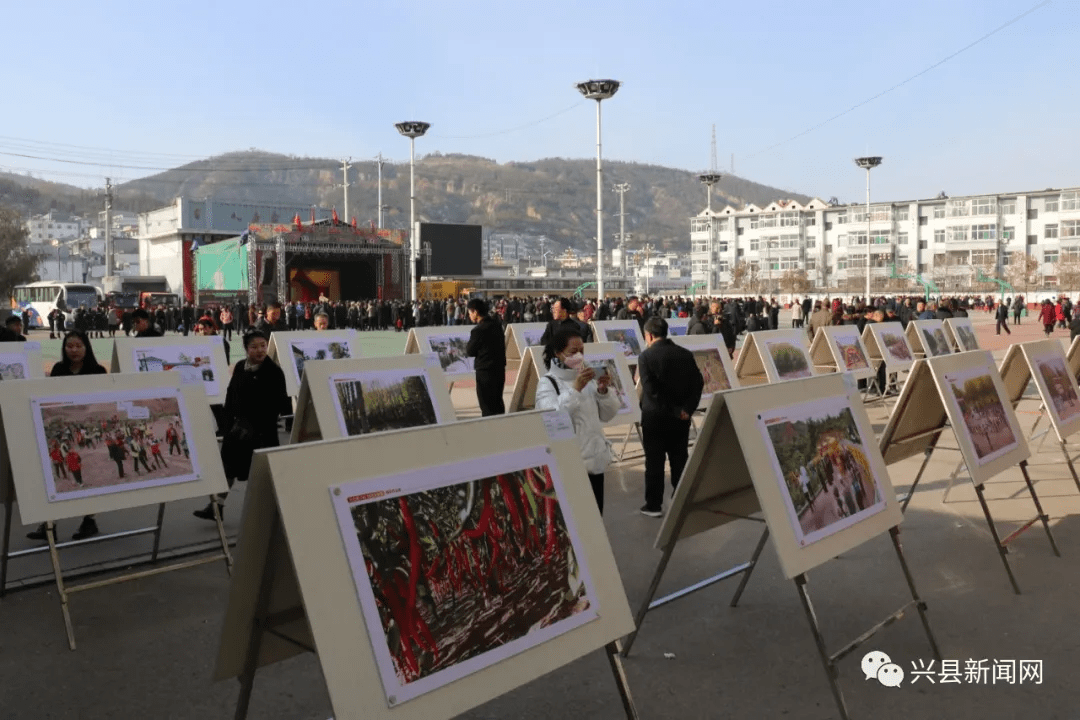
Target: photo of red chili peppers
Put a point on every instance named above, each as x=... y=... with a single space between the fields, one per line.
x=468 y=573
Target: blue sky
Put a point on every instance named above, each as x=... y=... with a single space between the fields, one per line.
x=159 y=83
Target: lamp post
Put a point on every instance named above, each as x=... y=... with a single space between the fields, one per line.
x=599 y=90
x=868 y=164
x=710 y=179
x=412 y=130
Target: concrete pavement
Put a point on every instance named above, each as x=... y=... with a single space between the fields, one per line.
x=146 y=648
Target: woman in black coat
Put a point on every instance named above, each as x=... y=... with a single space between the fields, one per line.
x=255 y=398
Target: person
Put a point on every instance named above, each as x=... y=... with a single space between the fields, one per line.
x=588 y=399
x=1047 y=317
x=697 y=324
x=1002 y=317
x=1018 y=307
x=76 y=358
x=272 y=322
x=12 y=330
x=226 y=318
x=487 y=344
x=671 y=386
x=255 y=398
x=562 y=314
x=141 y=324
x=796 y=314
x=206 y=327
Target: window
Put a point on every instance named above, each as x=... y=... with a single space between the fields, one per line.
x=939 y=236
x=922 y=244
x=841 y=264
x=754 y=266
x=984 y=258
x=958 y=208
x=901 y=238
x=1051 y=205
x=1033 y=214
x=754 y=243
x=1006 y=259
x=739 y=230
x=857 y=238
x=1008 y=208
x=1070 y=228
x=841 y=219
x=789 y=242
x=1051 y=231
x=722 y=246
x=880 y=239
x=924 y=268
x=790 y=218
x=723 y=266
x=1033 y=239
x=1070 y=255
x=841 y=240
x=699 y=246
x=828 y=226
x=1050 y=256
x=984 y=206
x=810 y=221
x=856 y=260
x=755 y=223
x=902 y=215
x=1008 y=233
x=939 y=212
x=923 y=220
x=828 y=248
x=811 y=243
x=699 y=225
x=768 y=221
x=1070 y=201
x=956 y=233
x=720 y=224
x=984 y=232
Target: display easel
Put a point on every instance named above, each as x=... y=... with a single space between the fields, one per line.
x=961 y=334
x=317 y=415
x=124 y=349
x=518 y=339
x=419 y=341
x=706 y=499
x=916 y=334
x=1020 y=366
x=896 y=355
x=602 y=333
x=280 y=350
x=27 y=484
x=918 y=421
x=294 y=590
x=755 y=366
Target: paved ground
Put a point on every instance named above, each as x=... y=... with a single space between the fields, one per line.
x=146 y=648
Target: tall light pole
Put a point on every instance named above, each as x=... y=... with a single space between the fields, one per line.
x=412 y=130
x=868 y=164
x=599 y=90
x=710 y=179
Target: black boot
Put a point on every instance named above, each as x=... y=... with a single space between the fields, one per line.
x=39 y=533
x=207 y=513
x=87 y=529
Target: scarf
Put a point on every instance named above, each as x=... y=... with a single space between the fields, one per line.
x=250 y=366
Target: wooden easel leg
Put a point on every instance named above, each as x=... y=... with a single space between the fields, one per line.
x=617 y=669
x=646 y=602
x=626 y=440
x=50 y=536
x=920 y=605
x=251 y=661
x=221 y=534
x=753 y=563
x=819 y=641
x=918 y=476
x=952 y=480
x=1038 y=506
x=157 y=531
x=1002 y=549
x=6 y=549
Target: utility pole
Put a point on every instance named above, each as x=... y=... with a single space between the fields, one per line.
x=622 y=189
x=345 y=185
x=108 y=228
x=379 y=161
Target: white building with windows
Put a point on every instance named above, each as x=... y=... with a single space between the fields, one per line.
x=947 y=241
x=43 y=229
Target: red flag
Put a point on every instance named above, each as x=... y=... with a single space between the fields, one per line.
x=354 y=221
x=312 y=215
x=335 y=218
x=296 y=221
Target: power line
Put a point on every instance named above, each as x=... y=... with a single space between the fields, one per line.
x=513 y=129
x=939 y=63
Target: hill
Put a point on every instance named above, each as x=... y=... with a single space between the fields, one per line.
x=553 y=197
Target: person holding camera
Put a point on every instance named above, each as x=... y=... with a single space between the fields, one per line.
x=589 y=399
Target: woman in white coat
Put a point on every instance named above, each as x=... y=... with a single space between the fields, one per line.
x=571 y=385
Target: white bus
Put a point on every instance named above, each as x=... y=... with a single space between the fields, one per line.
x=41 y=297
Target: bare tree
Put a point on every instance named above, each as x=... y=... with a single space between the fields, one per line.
x=1021 y=271
x=739 y=272
x=1068 y=274
x=17 y=264
x=794 y=281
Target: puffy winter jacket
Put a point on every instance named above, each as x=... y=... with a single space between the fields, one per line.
x=588 y=409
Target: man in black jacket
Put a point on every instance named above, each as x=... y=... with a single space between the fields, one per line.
x=272 y=322
x=671 y=386
x=562 y=311
x=488 y=345
x=140 y=323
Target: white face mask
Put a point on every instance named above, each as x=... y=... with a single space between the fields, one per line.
x=574 y=361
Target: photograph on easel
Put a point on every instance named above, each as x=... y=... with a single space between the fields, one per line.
x=13 y=366
x=1059 y=386
x=791 y=362
x=532 y=337
x=606 y=368
x=451 y=352
x=195 y=363
x=380 y=400
x=974 y=396
x=712 y=371
x=627 y=340
x=934 y=341
x=461 y=566
x=965 y=336
x=896 y=345
x=821 y=461
x=87 y=441
x=851 y=351
x=304 y=350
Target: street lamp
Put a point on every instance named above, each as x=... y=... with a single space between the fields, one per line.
x=710 y=179
x=412 y=130
x=599 y=90
x=868 y=163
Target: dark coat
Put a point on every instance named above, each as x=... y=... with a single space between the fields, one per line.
x=61 y=370
x=697 y=327
x=670 y=380
x=554 y=325
x=487 y=344
x=258 y=398
x=149 y=332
